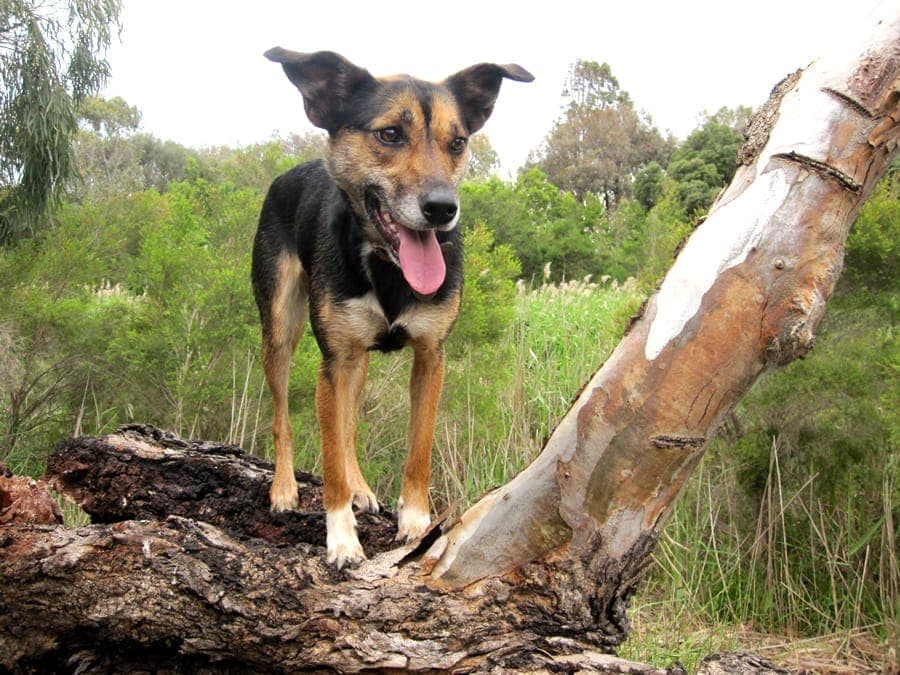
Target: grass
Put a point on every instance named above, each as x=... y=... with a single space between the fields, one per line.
x=826 y=601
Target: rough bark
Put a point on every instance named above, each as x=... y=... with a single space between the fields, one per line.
x=144 y=473
x=540 y=571
x=27 y=501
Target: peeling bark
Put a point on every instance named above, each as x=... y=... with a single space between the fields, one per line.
x=745 y=294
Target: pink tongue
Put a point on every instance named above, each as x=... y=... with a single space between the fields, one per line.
x=421 y=260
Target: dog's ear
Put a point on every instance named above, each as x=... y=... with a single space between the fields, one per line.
x=476 y=89
x=327 y=81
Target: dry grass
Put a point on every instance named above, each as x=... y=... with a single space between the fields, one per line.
x=663 y=634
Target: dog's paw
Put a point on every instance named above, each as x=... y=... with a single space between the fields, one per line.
x=342 y=544
x=365 y=500
x=412 y=522
x=283 y=493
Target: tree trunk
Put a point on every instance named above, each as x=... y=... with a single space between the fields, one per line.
x=745 y=294
x=538 y=574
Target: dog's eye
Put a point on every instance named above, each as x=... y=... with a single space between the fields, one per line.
x=389 y=135
x=457 y=145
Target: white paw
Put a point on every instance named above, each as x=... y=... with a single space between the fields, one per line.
x=412 y=522
x=341 y=542
x=283 y=493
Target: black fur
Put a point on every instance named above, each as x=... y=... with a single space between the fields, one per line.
x=307 y=214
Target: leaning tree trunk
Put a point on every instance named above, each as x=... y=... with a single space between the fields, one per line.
x=745 y=294
x=539 y=572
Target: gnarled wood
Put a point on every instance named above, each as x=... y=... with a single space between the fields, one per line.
x=145 y=473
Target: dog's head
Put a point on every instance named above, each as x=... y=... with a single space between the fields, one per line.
x=398 y=148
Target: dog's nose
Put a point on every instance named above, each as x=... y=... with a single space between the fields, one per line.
x=439 y=207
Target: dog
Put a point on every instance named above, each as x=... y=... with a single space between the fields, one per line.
x=366 y=245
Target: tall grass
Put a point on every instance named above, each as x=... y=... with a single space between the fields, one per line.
x=842 y=574
x=500 y=399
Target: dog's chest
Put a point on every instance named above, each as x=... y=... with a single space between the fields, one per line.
x=371 y=326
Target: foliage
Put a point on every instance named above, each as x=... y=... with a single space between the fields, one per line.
x=592 y=85
x=259 y=164
x=484 y=161
x=119 y=285
x=600 y=140
x=51 y=57
x=540 y=223
x=705 y=162
x=489 y=283
x=648 y=184
x=116 y=158
x=108 y=117
x=872 y=245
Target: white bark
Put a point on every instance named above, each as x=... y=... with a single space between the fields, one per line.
x=746 y=293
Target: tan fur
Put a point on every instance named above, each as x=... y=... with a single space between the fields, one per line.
x=430 y=324
x=351 y=326
x=337 y=399
x=288 y=317
x=425 y=384
x=355 y=159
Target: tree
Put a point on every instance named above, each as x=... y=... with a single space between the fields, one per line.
x=707 y=160
x=51 y=57
x=115 y=158
x=592 y=85
x=259 y=164
x=648 y=184
x=483 y=159
x=106 y=154
x=541 y=223
x=108 y=116
x=600 y=140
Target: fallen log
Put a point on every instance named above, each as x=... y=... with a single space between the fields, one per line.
x=185 y=594
x=145 y=473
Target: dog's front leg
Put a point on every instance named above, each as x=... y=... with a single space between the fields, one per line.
x=425 y=385
x=337 y=395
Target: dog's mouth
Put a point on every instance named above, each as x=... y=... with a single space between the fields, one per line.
x=417 y=252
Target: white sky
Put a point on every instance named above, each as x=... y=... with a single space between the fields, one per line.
x=195 y=67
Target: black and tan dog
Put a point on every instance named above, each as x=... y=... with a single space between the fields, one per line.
x=369 y=237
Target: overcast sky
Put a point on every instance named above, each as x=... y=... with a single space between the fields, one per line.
x=195 y=67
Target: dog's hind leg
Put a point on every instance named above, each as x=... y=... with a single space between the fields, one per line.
x=340 y=382
x=282 y=327
x=425 y=385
